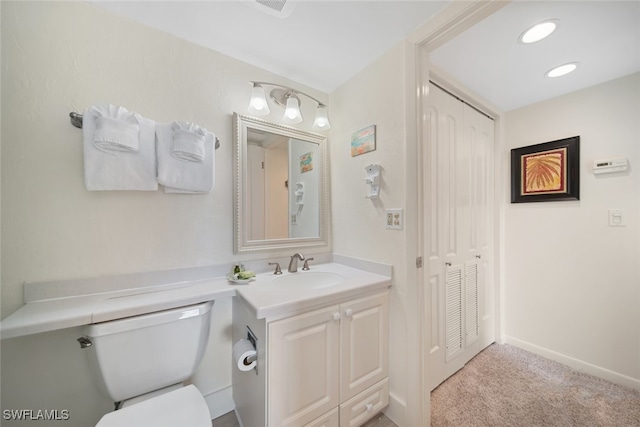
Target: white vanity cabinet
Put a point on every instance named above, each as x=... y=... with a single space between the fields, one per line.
x=329 y=367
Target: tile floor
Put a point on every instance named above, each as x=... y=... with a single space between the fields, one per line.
x=229 y=420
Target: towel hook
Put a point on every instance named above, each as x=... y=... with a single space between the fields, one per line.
x=76 y=120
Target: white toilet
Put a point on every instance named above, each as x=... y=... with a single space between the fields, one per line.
x=141 y=362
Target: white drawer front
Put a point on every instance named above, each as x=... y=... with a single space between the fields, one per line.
x=332 y=419
x=361 y=408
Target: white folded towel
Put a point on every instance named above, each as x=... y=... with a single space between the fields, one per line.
x=184 y=176
x=117 y=166
x=188 y=142
x=113 y=135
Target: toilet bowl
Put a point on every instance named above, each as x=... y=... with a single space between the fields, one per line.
x=140 y=362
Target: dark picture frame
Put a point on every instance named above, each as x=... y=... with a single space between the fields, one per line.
x=546 y=172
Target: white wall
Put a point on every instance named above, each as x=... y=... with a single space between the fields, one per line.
x=572 y=282
x=375 y=96
x=59 y=57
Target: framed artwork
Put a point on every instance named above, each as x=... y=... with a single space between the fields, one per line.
x=363 y=141
x=306 y=162
x=546 y=172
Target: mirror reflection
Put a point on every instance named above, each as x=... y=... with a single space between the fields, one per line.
x=282 y=191
x=280 y=186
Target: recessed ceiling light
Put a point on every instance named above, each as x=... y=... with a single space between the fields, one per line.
x=538 y=32
x=562 y=70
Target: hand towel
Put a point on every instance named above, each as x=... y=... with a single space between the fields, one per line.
x=113 y=135
x=112 y=169
x=188 y=142
x=181 y=176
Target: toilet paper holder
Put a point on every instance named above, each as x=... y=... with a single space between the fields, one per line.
x=251 y=337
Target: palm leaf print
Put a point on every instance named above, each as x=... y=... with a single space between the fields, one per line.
x=543 y=171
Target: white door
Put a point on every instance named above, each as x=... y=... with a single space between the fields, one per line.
x=256 y=184
x=458 y=224
x=304 y=367
x=364 y=335
x=276 y=202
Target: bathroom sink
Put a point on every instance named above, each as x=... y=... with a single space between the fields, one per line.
x=308 y=280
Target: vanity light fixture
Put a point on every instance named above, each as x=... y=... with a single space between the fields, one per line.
x=289 y=99
x=562 y=70
x=538 y=32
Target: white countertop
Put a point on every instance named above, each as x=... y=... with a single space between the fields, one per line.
x=59 y=313
x=267 y=300
x=58 y=305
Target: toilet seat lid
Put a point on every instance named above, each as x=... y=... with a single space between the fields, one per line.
x=184 y=407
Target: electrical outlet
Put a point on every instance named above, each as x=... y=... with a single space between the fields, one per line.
x=394 y=219
x=294 y=219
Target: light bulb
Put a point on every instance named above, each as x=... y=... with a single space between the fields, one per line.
x=292 y=113
x=322 y=119
x=562 y=70
x=538 y=32
x=258 y=104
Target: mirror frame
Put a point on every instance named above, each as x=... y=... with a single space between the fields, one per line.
x=241 y=244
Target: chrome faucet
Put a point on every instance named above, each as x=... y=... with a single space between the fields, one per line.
x=293 y=264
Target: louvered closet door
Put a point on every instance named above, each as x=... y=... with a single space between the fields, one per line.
x=471 y=304
x=458 y=230
x=453 y=312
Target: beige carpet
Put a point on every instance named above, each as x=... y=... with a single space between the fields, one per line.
x=507 y=386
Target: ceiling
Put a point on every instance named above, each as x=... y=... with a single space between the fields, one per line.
x=323 y=44
x=603 y=37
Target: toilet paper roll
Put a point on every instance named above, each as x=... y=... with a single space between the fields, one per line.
x=244 y=355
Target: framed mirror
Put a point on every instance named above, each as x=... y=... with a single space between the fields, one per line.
x=281 y=186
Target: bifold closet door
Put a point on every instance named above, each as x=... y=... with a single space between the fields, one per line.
x=458 y=230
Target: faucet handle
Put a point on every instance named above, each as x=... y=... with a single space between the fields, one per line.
x=278 y=269
x=305 y=267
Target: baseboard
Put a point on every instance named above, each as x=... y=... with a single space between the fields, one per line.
x=578 y=365
x=397 y=410
x=220 y=402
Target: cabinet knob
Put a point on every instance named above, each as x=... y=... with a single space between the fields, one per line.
x=348 y=312
x=336 y=316
x=369 y=407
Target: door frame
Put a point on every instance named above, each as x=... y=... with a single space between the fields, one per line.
x=451 y=21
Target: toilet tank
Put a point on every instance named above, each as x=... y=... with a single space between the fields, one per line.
x=140 y=354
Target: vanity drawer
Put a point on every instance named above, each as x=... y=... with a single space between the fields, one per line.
x=362 y=407
x=331 y=419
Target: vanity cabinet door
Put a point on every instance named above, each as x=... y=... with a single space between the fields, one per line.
x=304 y=361
x=364 y=344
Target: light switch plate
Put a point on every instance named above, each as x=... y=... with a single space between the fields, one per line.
x=616 y=218
x=394 y=219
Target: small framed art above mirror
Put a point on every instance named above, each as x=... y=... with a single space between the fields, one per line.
x=280 y=186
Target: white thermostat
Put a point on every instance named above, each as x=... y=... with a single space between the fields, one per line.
x=610 y=166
